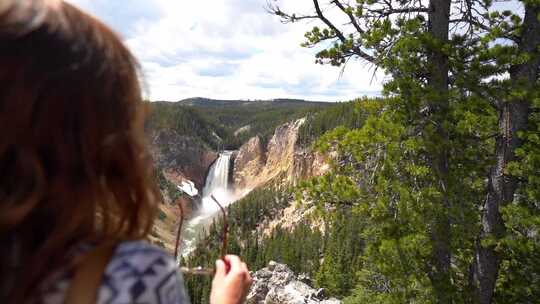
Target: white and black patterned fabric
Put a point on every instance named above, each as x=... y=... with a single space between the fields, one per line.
x=138 y=273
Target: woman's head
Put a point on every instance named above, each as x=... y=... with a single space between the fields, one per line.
x=71 y=134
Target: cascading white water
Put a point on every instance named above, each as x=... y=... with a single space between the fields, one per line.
x=217 y=184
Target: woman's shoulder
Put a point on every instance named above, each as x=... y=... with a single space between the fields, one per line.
x=137 y=273
x=141 y=254
x=141 y=273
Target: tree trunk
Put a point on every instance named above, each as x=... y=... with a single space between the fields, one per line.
x=439 y=14
x=513 y=117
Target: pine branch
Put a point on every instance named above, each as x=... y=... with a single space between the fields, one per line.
x=357 y=51
x=393 y=11
x=285 y=17
x=351 y=16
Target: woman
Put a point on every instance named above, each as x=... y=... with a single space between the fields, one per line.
x=74 y=168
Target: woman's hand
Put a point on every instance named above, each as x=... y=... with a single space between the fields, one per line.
x=231 y=282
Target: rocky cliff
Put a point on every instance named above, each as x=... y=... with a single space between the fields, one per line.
x=277 y=284
x=181 y=160
x=181 y=157
x=248 y=163
x=281 y=159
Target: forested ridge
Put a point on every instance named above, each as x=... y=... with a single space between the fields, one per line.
x=346 y=114
x=185 y=121
x=215 y=122
x=441 y=176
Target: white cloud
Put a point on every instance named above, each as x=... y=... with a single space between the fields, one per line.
x=226 y=49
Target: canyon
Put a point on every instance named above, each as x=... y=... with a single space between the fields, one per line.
x=183 y=159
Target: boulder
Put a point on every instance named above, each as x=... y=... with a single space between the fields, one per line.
x=277 y=284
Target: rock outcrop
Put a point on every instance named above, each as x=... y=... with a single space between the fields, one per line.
x=182 y=160
x=289 y=218
x=281 y=147
x=308 y=163
x=280 y=159
x=181 y=157
x=242 y=130
x=248 y=163
x=163 y=233
x=277 y=284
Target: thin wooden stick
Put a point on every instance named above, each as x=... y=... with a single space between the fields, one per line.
x=178 y=234
x=225 y=228
x=200 y=270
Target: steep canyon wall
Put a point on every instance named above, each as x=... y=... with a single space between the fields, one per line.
x=281 y=160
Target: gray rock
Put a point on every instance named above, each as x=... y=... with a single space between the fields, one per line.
x=305 y=278
x=277 y=284
x=320 y=294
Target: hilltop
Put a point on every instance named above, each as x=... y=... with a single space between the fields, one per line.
x=218 y=103
x=227 y=124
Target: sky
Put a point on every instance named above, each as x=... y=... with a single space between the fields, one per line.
x=233 y=49
x=227 y=49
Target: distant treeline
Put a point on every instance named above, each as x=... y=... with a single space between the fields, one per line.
x=186 y=121
x=345 y=114
x=215 y=122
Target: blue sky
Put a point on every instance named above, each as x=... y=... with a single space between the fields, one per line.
x=226 y=49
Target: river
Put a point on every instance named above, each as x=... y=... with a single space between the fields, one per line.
x=217 y=184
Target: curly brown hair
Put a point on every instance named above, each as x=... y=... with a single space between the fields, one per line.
x=74 y=165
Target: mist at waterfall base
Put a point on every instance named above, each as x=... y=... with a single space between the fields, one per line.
x=217 y=184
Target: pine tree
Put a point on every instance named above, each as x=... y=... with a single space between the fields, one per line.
x=416 y=168
x=514 y=112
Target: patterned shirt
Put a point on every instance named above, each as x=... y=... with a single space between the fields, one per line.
x=137 y=273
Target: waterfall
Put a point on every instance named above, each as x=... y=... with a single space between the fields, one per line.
x=217 y=184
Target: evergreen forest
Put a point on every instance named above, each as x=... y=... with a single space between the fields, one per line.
x=217 y=124
x=434 y=193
